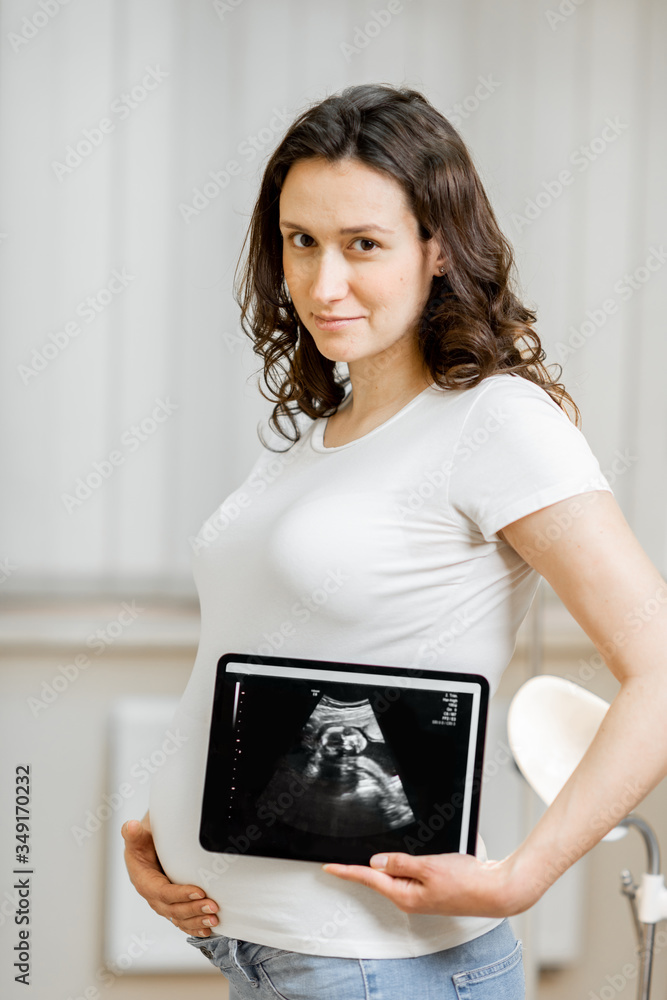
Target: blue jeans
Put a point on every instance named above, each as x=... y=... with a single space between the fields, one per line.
x=490 y=967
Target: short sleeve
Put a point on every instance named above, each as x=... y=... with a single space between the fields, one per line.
x=517 y=452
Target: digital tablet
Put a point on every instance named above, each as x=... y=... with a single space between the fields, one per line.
x=321 y=760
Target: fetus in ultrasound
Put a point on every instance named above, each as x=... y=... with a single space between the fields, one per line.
x=348 y=781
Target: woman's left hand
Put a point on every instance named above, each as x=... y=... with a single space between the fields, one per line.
x=451 y=884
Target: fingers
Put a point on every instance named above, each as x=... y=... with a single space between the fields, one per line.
x=193 y=918
x=138 y=840
x=379 y=881
x=356 y=873
x=131 y=828
x=140 y=854
x=399 y=864
x=395 y=865
x=187 y=906
x=175 y=902
x=180 y=901
x=396 y=876
x=135 y=835
x=174 y=892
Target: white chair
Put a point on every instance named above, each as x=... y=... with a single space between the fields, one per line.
x=550 y=724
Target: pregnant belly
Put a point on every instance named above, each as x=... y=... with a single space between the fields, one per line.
x=175 y=799
x=278 y=902
x=262 y=894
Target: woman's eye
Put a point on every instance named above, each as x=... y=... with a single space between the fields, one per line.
x=362 y=239
x=302 y=234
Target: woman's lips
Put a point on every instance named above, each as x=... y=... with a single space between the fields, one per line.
x=335 y=324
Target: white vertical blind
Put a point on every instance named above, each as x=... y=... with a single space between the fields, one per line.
x=185 y=88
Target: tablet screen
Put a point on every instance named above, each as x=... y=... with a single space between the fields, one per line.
x=326 y=761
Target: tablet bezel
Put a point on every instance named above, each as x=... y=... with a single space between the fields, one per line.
x=220 y=733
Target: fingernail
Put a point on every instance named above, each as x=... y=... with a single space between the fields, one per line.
x=195 y=895
x=207 y=909
x=379 y=861
x=206 y=922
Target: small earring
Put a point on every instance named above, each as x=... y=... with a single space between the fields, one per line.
x=442 y=269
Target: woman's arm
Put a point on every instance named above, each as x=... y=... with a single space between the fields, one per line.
x=185 y=905
x=589 y=555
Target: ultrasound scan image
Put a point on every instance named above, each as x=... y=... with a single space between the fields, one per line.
x=349 y=779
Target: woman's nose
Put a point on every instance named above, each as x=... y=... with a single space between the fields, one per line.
x=329 y=280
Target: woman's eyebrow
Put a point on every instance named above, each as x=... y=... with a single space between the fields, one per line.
x=349 y=229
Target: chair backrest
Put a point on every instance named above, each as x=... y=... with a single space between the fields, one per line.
x=551 y=722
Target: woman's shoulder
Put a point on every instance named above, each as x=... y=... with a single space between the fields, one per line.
x=505 y=398
x=511 y=384
x=513 y=396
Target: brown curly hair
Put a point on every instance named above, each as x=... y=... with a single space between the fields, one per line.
x=473 y=323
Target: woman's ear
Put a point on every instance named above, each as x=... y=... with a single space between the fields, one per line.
x=441 y=261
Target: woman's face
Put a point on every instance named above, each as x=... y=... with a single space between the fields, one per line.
x=379 y=280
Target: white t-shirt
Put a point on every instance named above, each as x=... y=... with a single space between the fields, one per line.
x=382 y=551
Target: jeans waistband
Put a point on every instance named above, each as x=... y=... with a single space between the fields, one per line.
x=233 y=948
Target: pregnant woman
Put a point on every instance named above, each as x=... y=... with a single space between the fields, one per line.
x=406 y=523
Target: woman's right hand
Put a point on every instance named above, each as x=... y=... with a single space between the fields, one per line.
x=185 y=905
